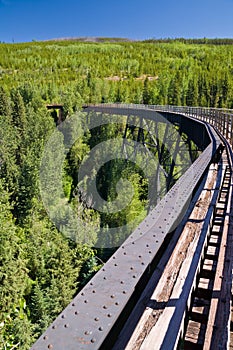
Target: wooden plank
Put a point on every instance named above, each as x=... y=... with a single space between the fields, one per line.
x=218 y=328
x=194 y=336
x=214 y=240
x=165 y=334
x=204 y=288
x=209 y=268
x=200 y=310
x=212 y=253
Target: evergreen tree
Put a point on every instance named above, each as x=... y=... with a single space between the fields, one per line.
x=192 y=93
x=146 y=96
x=5 y=103
x=8 y=162
x=174 y=90
x=14 y=281
x=18 y=112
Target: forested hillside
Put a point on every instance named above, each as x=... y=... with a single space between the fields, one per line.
x=74 y=72
x=40 y=268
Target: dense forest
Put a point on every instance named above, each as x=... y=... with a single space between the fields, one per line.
x=156 y=73
x=40 y=268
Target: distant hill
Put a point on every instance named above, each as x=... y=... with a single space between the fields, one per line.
x=92 y=39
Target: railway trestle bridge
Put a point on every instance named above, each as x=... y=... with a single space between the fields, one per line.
x=169 y=285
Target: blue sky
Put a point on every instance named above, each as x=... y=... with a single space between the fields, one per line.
x=27 y=20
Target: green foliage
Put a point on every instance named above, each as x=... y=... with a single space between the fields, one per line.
x=14 y=280
x=155 y=71
x=8 y=153
x=41 y=269
x=90 y=267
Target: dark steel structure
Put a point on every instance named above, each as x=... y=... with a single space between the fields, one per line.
x=95 y=317
x=57 y=107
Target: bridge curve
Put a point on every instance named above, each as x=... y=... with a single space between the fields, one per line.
x=97 y=314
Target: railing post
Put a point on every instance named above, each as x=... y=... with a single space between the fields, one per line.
x=231 y=131
x=227 y=116
x=213 y=118
x=222 y=123
x=225 y=125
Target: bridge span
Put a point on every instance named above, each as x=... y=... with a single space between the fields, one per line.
x=169 y=285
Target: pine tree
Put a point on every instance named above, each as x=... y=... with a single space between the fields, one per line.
x=14 y=281
x=39 y=309
x=174 y=90
x=5 y=103
x=9 y=146
x=18 y=111
x=146 y=95
x=192 y=93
